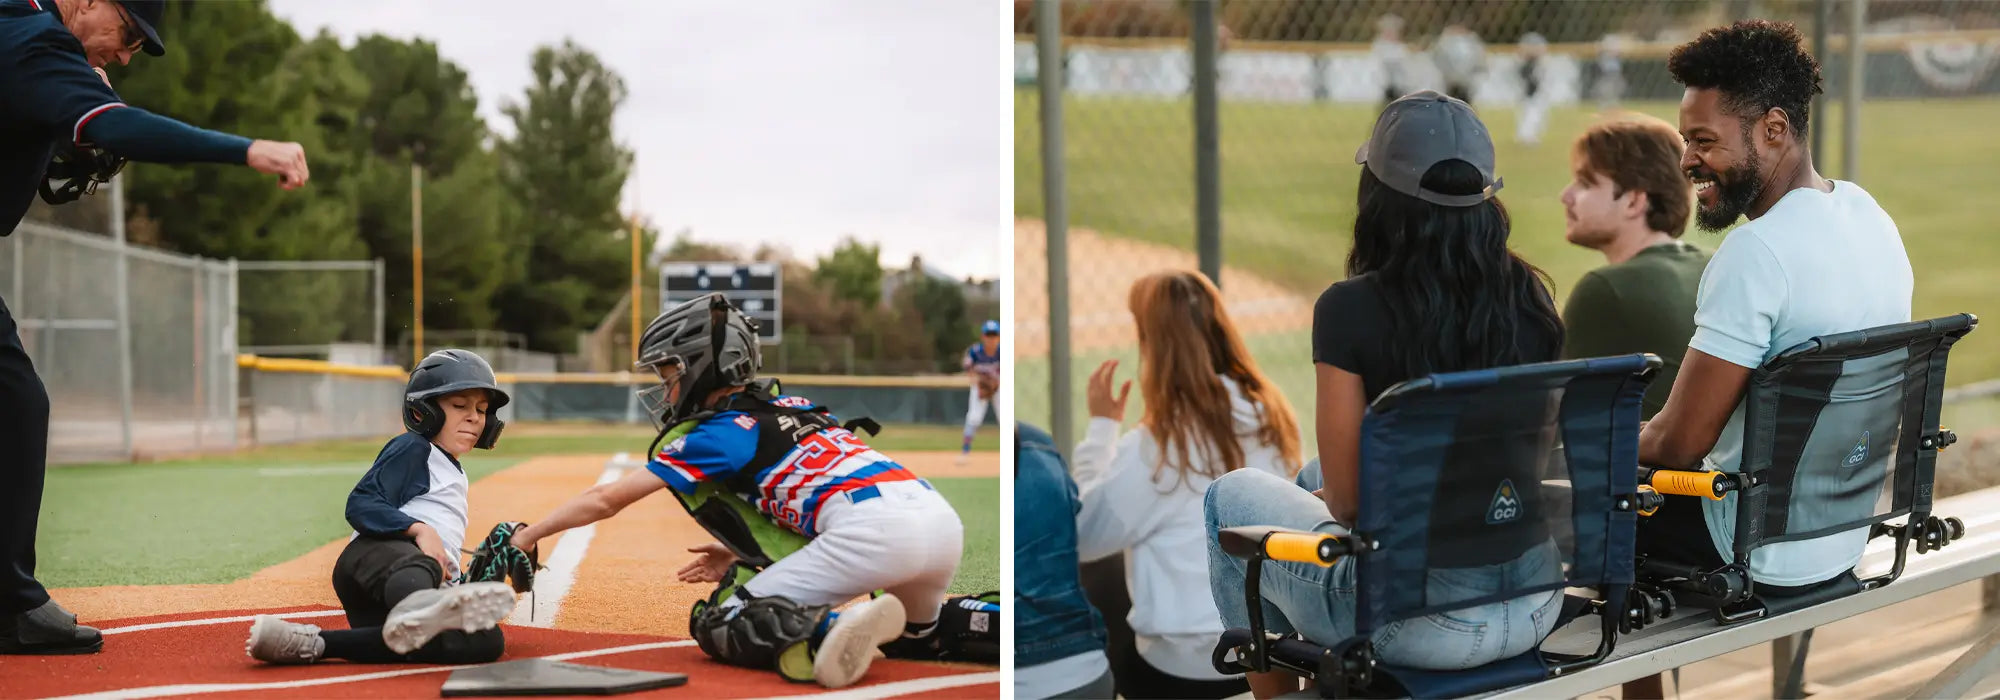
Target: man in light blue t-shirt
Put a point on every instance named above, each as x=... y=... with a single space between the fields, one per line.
x=1816 y=257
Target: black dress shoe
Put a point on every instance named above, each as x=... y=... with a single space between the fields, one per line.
x=48 y=630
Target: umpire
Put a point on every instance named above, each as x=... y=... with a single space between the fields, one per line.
x=54 y=94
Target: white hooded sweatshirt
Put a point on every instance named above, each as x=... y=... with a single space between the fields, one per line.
x=1158 y=524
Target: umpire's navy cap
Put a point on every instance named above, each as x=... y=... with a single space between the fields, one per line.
x=1420 y=130
x=147 y=14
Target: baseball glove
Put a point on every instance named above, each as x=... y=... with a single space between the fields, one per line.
x=987 y=386
x=497 y=559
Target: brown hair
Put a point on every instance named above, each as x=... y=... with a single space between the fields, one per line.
x=1187 y=344
x=1639 y=152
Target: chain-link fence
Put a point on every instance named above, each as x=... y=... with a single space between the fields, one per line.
x=318 y=309
x=1154 y=171
x=155 y=374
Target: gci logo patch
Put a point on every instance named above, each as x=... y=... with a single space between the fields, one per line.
x=1858 y=455
x=1506 y=506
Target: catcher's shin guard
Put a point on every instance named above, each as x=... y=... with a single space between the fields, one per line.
x=770 y=632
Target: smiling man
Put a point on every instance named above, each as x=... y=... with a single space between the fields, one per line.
x=1816 y=256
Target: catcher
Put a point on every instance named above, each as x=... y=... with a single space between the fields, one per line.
x=982 y=366
x=399 y=578
x=810 y=515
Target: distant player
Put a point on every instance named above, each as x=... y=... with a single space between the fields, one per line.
x=815 y=516
x=982 y=367
x=397 y=578
x=1534 y=89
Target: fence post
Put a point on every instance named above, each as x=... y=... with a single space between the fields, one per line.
x=233 y=341
x=1823 y=17
x=380 y=316
x=1857 y=64
x=123 y=293
x=1049 y=76
x=1207 y=155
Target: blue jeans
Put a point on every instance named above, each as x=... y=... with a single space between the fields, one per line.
x=1318 y=603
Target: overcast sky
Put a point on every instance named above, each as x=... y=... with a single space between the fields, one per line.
x=791 y=122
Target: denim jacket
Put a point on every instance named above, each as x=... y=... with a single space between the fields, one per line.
x=1052 y=618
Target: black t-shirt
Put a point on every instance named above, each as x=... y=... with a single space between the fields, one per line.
x=1487 y=503
x=1351 y=325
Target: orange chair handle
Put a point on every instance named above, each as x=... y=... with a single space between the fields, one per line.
x=1709 y=485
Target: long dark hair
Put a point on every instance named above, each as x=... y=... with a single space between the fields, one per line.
x=1458 y=297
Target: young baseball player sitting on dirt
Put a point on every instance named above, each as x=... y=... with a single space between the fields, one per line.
x=399 y=578
x=814 y=516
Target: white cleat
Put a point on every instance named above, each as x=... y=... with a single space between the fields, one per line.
x=276 y=641
x=425 y=614
x=849 y=647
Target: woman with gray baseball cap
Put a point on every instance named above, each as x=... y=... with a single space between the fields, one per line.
x=1431 y=287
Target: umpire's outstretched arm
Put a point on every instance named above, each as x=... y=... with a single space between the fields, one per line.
x=53 y=94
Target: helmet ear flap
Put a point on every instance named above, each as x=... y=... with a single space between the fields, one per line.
x=422 y=416
x=490 y=435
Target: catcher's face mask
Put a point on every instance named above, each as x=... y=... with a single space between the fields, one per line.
x=660 y=399
x=75 y=171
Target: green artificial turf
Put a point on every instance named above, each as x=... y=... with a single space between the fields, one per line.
x=220 y=518
x=978 y=503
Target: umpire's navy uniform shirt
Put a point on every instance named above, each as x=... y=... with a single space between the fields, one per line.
x=48 y=92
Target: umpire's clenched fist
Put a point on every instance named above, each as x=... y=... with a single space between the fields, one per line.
x=284 y=159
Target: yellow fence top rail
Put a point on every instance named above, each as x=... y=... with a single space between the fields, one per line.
x=392 y=372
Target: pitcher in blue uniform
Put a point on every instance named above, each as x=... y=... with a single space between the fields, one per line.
x=982 y=367
x=57 y=107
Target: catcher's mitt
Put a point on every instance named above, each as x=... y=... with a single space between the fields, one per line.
x=78 y=169
x=497 y=559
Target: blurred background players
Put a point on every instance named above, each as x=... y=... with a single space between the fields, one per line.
x=1534 y=98
x=982 y=366
x=1460 y=57
x=1393 y=56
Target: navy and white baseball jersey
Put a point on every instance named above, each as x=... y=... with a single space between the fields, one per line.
x=412 y=481
x=48 y=91
x=793 y=488
x=978 y=360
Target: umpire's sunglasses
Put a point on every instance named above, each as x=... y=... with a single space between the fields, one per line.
x=135 y=38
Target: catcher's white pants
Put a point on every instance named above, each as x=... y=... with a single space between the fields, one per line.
x=906 y=542
x=975 y=410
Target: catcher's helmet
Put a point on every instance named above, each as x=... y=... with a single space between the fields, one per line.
x=444 y=372
x=713 y=343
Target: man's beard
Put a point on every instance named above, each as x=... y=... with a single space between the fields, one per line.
x=1736 y=189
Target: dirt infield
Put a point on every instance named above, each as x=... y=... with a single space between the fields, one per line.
x=618 y=589
x=190 y=654
x=1102 y=269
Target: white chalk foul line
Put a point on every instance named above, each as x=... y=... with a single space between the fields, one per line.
x=553 y=584
x=890 y=690
x=215 y=621
x=197 y=688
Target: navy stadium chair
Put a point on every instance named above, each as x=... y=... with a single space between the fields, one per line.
x=1557 y=440
x=1841 y=433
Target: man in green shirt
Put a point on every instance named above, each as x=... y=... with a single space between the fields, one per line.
x=1630 y=201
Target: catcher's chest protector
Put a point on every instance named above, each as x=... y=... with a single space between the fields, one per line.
x=723 y=509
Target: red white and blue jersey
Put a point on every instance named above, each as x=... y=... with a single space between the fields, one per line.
x=791 y=489
x=978 y=360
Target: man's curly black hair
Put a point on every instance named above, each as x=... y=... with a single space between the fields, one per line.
x=1756 y=64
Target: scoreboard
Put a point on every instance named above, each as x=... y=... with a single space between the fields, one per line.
x=755 y=288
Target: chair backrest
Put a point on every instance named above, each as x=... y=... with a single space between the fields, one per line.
x=1460 y=471
x=1834 y=431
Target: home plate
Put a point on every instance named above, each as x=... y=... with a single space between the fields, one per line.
x=546 y=677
